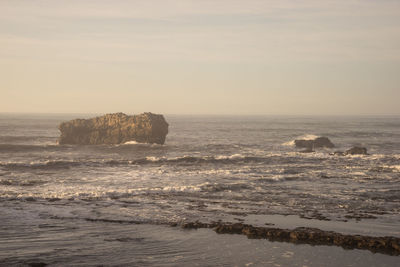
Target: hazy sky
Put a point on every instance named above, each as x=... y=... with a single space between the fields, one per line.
x=200 y=56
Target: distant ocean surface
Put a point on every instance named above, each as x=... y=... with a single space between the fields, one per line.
x=233 y=169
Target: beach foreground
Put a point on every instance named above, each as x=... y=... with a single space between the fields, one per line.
x=28 y=238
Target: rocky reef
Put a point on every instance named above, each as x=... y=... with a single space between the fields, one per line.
x=305 y=235
x=115 y=128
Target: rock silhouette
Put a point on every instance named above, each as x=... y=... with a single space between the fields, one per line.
x=115 y=128
x=304 y=235
x=356 y=151
x=314 y=143
x=352 y=151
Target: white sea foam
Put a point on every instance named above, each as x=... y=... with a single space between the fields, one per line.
x=276 y=178
x=234 y=156
x=396 y=167
x=308 y=137
x=138 y=143
x=393 y=168
x=376 y=156
x=289 y=143
x=214 y=171
x=131 y=143
x=183 y=188
x=396 y=156
x=316 y=155
x=153 y=159
x=219 y=157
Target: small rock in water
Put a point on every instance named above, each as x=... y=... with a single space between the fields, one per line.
x=352 y=151
x=356 y=151
x=318 y=142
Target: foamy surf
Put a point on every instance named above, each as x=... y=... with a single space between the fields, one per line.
x=131 y=143
x=141 y=144
x=234 y=156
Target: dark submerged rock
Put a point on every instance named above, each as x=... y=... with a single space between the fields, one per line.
x=307 y=150
x=115 y=128
x=314 y=143
x=37 y=264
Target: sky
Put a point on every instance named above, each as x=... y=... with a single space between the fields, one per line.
x=314 y=57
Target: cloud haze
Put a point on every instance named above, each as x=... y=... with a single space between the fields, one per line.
x=207 y=57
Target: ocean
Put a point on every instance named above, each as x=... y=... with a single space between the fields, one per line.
x=114 y=205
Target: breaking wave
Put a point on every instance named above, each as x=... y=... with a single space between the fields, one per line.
x=289 y=157
x=65 y=164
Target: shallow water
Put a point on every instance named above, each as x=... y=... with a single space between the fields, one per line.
x=211 y=168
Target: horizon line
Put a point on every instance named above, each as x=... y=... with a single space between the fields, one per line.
x=203 y=114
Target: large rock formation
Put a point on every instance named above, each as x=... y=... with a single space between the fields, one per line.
x=314 y=143
x=115 y=128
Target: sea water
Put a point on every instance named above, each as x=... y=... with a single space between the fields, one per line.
x=112 y=204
